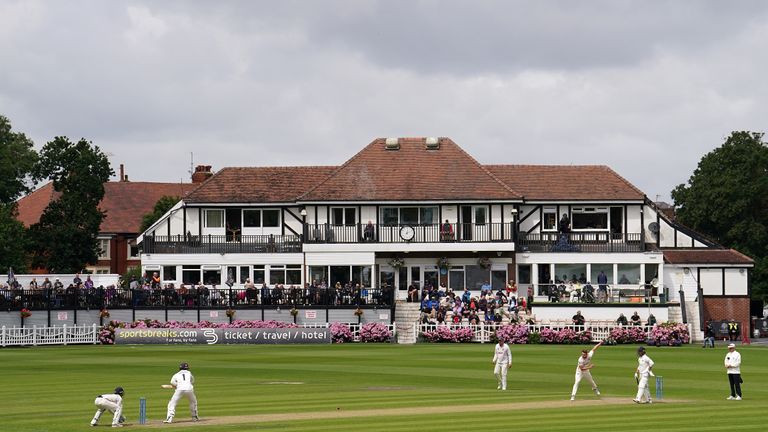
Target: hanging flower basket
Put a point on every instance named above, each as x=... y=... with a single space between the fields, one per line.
x=294 y=312
x=230 y=313
x=484 y=262
x=358 y=312
x=25 y=313
x=104 y=313
x=443 y=262
x=396 y=262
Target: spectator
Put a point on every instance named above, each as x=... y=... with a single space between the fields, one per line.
x=578 y=319
x=709 y=335
x=368 y=231
x=623 y=280
x=466 y=296
x=622 y=320
x=529 y=300
x=635 y=319
x=651 y=321
x=564 y=226
x=446 y=231
x=602 y=287
x=733 y=331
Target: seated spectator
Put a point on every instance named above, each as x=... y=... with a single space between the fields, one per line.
x=554 y=294
x=622 y=320
x=651 y=321
x=624 y=280
x=446 y=231
x=369 y=231
x=473 y=317
x=466 y=296
x=574 y=290
x=578 y=319
x=635 y=319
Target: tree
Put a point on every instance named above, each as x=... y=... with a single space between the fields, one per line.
x=162 y=206
x=65 y=239
x=17 y=158
x=726 y=199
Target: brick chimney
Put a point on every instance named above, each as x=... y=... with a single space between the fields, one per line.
x=201 y=174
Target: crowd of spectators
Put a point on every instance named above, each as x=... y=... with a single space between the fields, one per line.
x=441 y=305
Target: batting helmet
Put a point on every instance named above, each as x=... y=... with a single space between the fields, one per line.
x=184 y=366
x=641 y=350
x=119 y=390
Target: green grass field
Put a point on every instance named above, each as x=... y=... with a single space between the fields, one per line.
x=377 y=387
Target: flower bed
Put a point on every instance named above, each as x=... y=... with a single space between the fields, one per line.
x=107 y=333
x=375 y=332
x=628 y=335
x=340 y=333
x=669 y=334
x=564 y=336
x=511 y=334
x=447 y=334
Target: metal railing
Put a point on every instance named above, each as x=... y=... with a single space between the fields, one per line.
x=195 y=244
x=191 y=298
x=407 y=233
x=590 y=293
x=64 y=335
x=587 y=241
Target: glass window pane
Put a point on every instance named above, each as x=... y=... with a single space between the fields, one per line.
x=386 y=278
x=456 y=280
x=389 y=216
x=409 y=216
x=589 y=220
x=524 y=274
x=337 y=216
x=570 y=272
x=431 y=277
x=340 y=274
x=244 y=273
x=318 y=274
x=402 y=277
x=476 y=277
x=276 y=275
x=480 y=218
x=271 y=218
x=214 y=218
x=605 y=268
x=349 y=216
x=212 y=277
x=190 y=277
x=550 y=220
x=169 y=273
x=629 y=274
x=428 y=215
x=252 y=218
x=293 y=276
x=258 y=274
x=498 y=279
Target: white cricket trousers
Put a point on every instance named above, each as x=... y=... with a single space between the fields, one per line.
x=177 y=395
x=501 y=374
x=580 y=375
x=107 y=405
x=643 y=394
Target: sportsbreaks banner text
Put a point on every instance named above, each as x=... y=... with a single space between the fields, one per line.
x=222 y=336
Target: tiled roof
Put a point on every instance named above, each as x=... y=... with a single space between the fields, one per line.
x=706 y=256
x=259 y=184
x=411 y=173
x=566 y=182
x=124 y=203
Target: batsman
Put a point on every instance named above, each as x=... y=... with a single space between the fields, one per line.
x=183 y=382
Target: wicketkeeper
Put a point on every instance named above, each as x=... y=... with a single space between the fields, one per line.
x=112 y=402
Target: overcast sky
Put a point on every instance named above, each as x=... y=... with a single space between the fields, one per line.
x=646 y=88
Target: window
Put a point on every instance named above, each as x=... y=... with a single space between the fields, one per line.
x=104 y=248
x=190 y=274
x=252 y=218
x=589 y=218
x=343 y=216
x=287 y=275
x=212 y=276
x=605 y=268
x=570 y=272
x=361 y=275
x=480 y=218
x=477 y=277
x=214 y=218
x=133 y=249
x=169 y=273
x=523 y=274
x=549 y=220
x=498 y=279
x=258 y=274
x=629 y=274
x=318 y=274
x=276 y=275
x=261 y=218
x=456 y=279
x=409 y=215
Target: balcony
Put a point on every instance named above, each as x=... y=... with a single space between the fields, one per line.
x=583 y=241
x=221 y=244
x=434 y=233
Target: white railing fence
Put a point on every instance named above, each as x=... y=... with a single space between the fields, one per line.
x=62 y=335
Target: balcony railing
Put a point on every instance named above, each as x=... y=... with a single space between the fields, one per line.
x=588 y=241
x=432 y=233
x=193 y=244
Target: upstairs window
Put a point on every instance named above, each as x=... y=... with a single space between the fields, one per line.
x=344 y=216
x=253 y=218
x=103 y=248
x=409 y=215
x=589 y=218
x=549 y=219
x=214 y=218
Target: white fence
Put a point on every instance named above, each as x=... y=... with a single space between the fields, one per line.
x=600 y=330
x=63 y=335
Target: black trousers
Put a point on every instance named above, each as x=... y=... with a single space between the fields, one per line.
x=735 y=381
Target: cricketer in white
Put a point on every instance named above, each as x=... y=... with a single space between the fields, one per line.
x=502 y=356
x=113 y=403
x=183 y=382
x=641 y=374
x=583 y=368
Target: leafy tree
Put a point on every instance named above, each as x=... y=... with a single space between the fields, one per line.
x=65 y=239
x=726 y=199
x=17 y=157
x=162 y=205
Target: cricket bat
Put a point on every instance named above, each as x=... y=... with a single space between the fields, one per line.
x=166 y=386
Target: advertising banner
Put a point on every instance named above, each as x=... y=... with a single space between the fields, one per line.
x=221 y=336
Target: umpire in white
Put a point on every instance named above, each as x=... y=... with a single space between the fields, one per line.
x=502 y=357
x=112 y=402
x=183 y=382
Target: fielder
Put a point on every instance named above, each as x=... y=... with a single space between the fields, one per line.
x=502 y=357
x=183 y=382
x=641 y=375
x=583 y=368
x=113 y=403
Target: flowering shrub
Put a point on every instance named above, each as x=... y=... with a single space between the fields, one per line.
x=340 y=333
x=672 y=334
x=447 y=334
x=623 y=335
x=107 y=333
x=511 y=334
x=375 y=332
x=25 y=313
x=564 y=336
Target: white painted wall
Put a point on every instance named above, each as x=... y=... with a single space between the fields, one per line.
x=711 y=281
x=531 y=221
x=611 y=313
x=736 y=281
x=350 y=258
x=633 y=219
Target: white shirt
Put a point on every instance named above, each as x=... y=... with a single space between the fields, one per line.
x=114 y=398
x=183 y=380
x=502 y=354
x=585 y=362
x=644 y=365
x=733 y=359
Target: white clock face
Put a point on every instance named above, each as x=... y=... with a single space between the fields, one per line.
x=407 y=232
